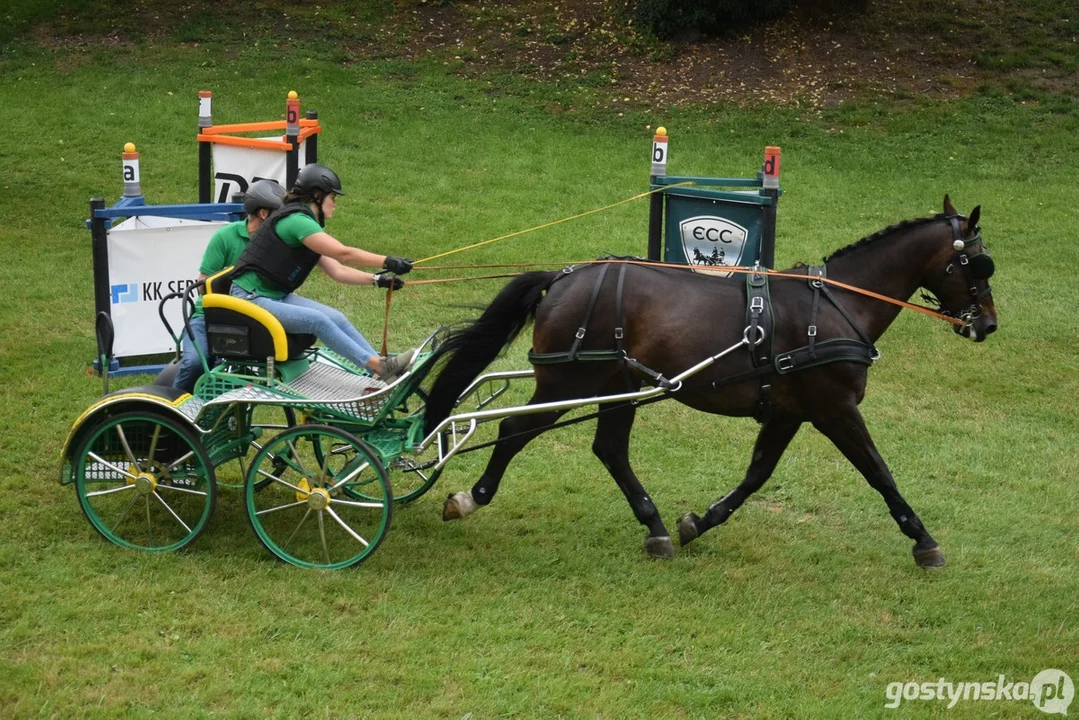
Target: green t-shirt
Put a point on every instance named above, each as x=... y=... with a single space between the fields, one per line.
x=292 y=229
x=225 y=248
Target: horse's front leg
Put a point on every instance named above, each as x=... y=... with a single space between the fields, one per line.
x=772 y=440
x=513 y=434
x=846 y=429
x=611 y=446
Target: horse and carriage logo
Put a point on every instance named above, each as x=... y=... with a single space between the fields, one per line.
x=712 y=242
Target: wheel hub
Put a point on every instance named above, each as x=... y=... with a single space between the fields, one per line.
x=318 y=499
x=145 y=483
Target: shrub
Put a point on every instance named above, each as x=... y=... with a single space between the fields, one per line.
x=667 y=18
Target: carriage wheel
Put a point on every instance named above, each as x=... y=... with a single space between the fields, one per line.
x=144 y=481
x=410 y=478
x=321 y=509
x=270 y=427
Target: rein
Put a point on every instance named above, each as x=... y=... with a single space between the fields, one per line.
x=742 y=270
x=964 y=319
x=586 y=213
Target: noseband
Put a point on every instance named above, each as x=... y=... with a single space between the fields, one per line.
x=975 y=267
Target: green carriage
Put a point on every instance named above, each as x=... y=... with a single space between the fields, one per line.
x=322 y=448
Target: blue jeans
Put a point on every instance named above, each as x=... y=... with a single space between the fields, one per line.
x=191 y=368
x=301 y=315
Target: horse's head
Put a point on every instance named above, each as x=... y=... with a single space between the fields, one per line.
x=959 y=276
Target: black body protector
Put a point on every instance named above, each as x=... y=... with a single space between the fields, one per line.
x=272 y=259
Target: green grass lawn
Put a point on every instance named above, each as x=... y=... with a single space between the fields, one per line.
x=806 y=604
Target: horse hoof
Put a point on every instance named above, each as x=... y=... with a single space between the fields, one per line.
x=457 y=506
x=930 y=557
x=659 y=547
x=687 y=529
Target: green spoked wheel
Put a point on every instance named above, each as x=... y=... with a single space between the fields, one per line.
x=268 y=427
x=320 y=509
x=144 y=481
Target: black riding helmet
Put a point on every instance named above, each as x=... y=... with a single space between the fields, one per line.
x=263 y=194
x=317 y=178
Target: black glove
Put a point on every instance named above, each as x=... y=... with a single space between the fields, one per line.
x=398 y=265
x=383 y=280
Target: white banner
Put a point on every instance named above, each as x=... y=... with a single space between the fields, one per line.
x=235 y=168
x=150 y=257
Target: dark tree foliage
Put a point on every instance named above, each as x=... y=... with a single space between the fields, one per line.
x=668 y=18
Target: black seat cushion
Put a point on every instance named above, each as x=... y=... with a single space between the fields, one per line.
x=232 y=334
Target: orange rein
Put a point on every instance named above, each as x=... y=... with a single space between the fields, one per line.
x=735 y=269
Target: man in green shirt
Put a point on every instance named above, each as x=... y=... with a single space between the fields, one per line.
x=289 y=245
x=225 y=248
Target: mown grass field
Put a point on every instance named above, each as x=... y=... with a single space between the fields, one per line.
x=806 y=604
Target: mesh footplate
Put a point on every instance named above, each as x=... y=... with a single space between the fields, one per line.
x=328 y=382
x=322 y=387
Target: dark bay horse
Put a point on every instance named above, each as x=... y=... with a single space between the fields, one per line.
x=661 y=312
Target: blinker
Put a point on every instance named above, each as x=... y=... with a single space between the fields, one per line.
x=982 y=266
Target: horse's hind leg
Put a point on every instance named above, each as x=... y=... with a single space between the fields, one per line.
x=772 y=440
x=514 y=433
x=611 y=446
x=848 y=432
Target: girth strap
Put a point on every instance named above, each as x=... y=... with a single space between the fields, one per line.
x=620 y=335
x=760 y=323
x=588 y=313
x=815 y=353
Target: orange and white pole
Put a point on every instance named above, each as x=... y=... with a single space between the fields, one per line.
x=130 y=163
x=770 y=188
x=659 y=152
x=205 y=116
x=772 y=156
x=292 y=114
x=205 y=151
x=292 y=135
x=655 y=201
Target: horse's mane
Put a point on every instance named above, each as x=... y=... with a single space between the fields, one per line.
x=891 y=229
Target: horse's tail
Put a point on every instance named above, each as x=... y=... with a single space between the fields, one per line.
x=474 y=347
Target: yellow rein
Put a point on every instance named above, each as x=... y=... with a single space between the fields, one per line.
x=552 y=223
x=734 y=269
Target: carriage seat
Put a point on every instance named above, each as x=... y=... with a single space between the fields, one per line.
x=240 y=329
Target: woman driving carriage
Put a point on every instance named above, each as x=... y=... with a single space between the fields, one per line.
x=225 y=248
x=290 y=243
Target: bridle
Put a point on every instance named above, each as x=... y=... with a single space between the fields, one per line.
x=974 y=266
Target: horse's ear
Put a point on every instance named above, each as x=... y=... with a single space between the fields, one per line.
x=949 y=209
x=975 y=214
